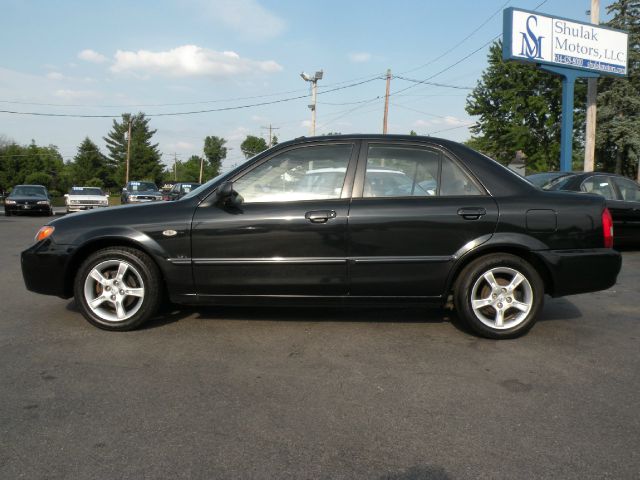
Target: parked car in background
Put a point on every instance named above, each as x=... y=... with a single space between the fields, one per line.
x=179 y=190
x=139 y=192
x=280 y=228
x=622 y=197
x=28 y=199
x=546 y=179
x=85 y=198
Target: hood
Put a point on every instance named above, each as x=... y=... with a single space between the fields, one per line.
x=22 y=198
x=145 y=192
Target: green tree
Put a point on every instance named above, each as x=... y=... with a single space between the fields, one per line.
x=618 y=107
x=519 y=108
x=89 y=163
x=253 y=145
x=274 y=141
x=413 y=133
x=214 y=152
x=145 y=161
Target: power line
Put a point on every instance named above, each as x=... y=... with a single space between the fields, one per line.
x=193 y=112
x=461 y=41
x=435 y=84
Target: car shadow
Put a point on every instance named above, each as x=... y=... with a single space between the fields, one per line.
x=554 y=309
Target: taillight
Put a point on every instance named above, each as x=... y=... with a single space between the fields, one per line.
x=607 y=228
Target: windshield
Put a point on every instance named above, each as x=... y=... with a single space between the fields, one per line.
x=29 y=191
x=141 y=186
x=86 y=191
x=204 y=186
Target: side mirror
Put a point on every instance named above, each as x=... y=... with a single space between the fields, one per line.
x=227 y=196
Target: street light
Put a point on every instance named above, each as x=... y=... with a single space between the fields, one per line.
x=314 y=91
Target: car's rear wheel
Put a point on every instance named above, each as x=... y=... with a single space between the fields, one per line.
x=118 y=288
x=499 y=295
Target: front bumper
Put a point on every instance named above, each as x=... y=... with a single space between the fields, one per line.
x=43 y=268
x=19 y=209
x=78 y=208
x=581 y=271
x=143 y=200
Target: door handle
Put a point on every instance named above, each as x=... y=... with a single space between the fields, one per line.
x=320 y=216
x=471 y=213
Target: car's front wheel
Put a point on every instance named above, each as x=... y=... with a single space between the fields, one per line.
x=499 y=295
x=118 y=288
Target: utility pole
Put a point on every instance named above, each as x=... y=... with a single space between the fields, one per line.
x=201 y=168
x=271 y=128
x=386 y=103
x=314 y=92
x=126 y=180
x=175 y=166
x=592 y=95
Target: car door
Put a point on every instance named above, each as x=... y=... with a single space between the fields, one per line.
x=413 y=208
x=288 y=236
x=628 y=209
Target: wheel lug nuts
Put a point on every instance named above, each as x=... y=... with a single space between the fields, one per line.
x=500 y=305
x=504 y=290
x=495 y=295
x=121 y=292
x=107 y=288
x=113 y=297
x=509 y=299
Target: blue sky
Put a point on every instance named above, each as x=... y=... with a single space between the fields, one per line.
x=109 y=57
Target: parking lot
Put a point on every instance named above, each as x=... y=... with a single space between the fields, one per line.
x=316 y=393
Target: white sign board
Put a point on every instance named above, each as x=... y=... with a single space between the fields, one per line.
x=534 y=37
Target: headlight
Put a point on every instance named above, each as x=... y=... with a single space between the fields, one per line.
x=43 y=202
x=132 y=197
x=9 y=202
x=44 y=232
x=74 y=202
x=105 y=201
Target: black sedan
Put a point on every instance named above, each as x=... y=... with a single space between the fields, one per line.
x=28 y=199
x=346 y=219
x=140 y=192
x=622 y=197
x=179 y=190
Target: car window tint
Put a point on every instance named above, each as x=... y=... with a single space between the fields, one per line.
x=630 y=190
x=308 y=173
x=397 y=171
x=600 y=185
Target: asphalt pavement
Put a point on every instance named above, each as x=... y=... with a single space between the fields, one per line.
x=304 y=393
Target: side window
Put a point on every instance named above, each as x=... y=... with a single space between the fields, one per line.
x=307 y=173
x=396 y=171
x=630 y=190
x=600 y=185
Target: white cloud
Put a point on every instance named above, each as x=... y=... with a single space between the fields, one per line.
x=190 y=60
x=451 y=120
x=420 y=123
x=69 y=94
x=92 y=56
x=246 y=17
x=55 y=76
x=360 y=57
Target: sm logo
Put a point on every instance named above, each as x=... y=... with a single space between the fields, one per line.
x=531 y=43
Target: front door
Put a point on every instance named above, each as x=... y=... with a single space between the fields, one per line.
x=288 y=236
x=414 y=207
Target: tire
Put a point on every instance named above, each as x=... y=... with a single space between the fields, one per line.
x=508 y=309
x=137 y=292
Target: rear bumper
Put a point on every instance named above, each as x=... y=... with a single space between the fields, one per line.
x=43 y=268
x=581 y=271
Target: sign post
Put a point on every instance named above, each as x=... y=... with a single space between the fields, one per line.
x=567 y=48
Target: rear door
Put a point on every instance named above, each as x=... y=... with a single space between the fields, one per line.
x=414 y=206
